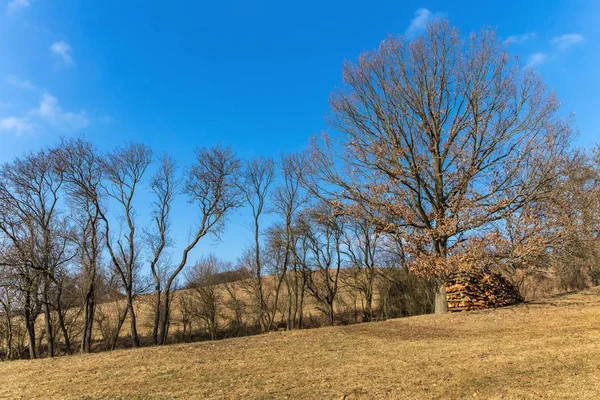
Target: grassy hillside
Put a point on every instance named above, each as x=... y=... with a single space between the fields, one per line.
x=547 y=349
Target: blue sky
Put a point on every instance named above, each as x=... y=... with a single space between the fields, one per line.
x=255 y=75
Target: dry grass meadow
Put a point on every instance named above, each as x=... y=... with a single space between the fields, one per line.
x=541 y=350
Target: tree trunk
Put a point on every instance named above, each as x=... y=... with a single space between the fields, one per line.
x=121 y=321
x=441 y=302
x=65 y=332
x=164 y=329
x=369 y=306
x=135 y=340
x=47 y=320
x=301 y=305
x=9 y=333
x=31 y=338
x=30 y=325
x=157 y=313
x=330 y=312
x=89 y=308
x=259 y=283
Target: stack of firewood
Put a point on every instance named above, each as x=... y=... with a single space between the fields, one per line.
x=479 y=290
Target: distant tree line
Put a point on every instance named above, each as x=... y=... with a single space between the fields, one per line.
x=445 y=155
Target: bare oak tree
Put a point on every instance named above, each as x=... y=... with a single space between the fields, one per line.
x=441 y=136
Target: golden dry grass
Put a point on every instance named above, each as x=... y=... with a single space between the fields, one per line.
x=547 y=349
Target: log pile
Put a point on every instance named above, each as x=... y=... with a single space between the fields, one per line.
x=478 y=290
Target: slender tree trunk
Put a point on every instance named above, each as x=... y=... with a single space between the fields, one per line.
x=30 y=326
x=121 y=321
x=276 y=300
x=65 y=332
x=135 y=340
x=61 y=321
x=47 y=318
x=164 y=328
x=289 y=324
x=301 y=305
x=157 y=314
x=259 y=287
x=89 y=308
x=369 y=305
x=9 y=333
x=31 y=338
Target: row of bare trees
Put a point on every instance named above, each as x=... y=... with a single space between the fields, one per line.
x=446 y=155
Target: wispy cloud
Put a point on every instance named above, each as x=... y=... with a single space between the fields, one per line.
x=563 y=42
x=522 y=38
x=23 y=84
x=63 y=50
x=48 y=115
x=16 y=5
x=420 y=20
x=537 y=59
x=51 y=112
x=16 y=125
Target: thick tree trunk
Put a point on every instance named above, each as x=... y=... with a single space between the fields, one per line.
x=330 y=315
x=441 y=302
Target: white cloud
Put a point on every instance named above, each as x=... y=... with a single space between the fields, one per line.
x=63 y=50
x=563 y=42
x=15 y=5
x=51 y=112
x=14 y=81
x=49 y=115
x=418 y=24
x=537 y=59
x=522 y=38
x=16 y=125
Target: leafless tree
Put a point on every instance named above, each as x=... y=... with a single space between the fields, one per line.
x=208 y=299
x=212 y=186
x=124 y=169
x=323 y=228
x=164 y=185
x=81 y=167
x=7 y=299
x=441 y=136
x=29 y=218
x=287 y=199
x=258 y=176
x=360 y=240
